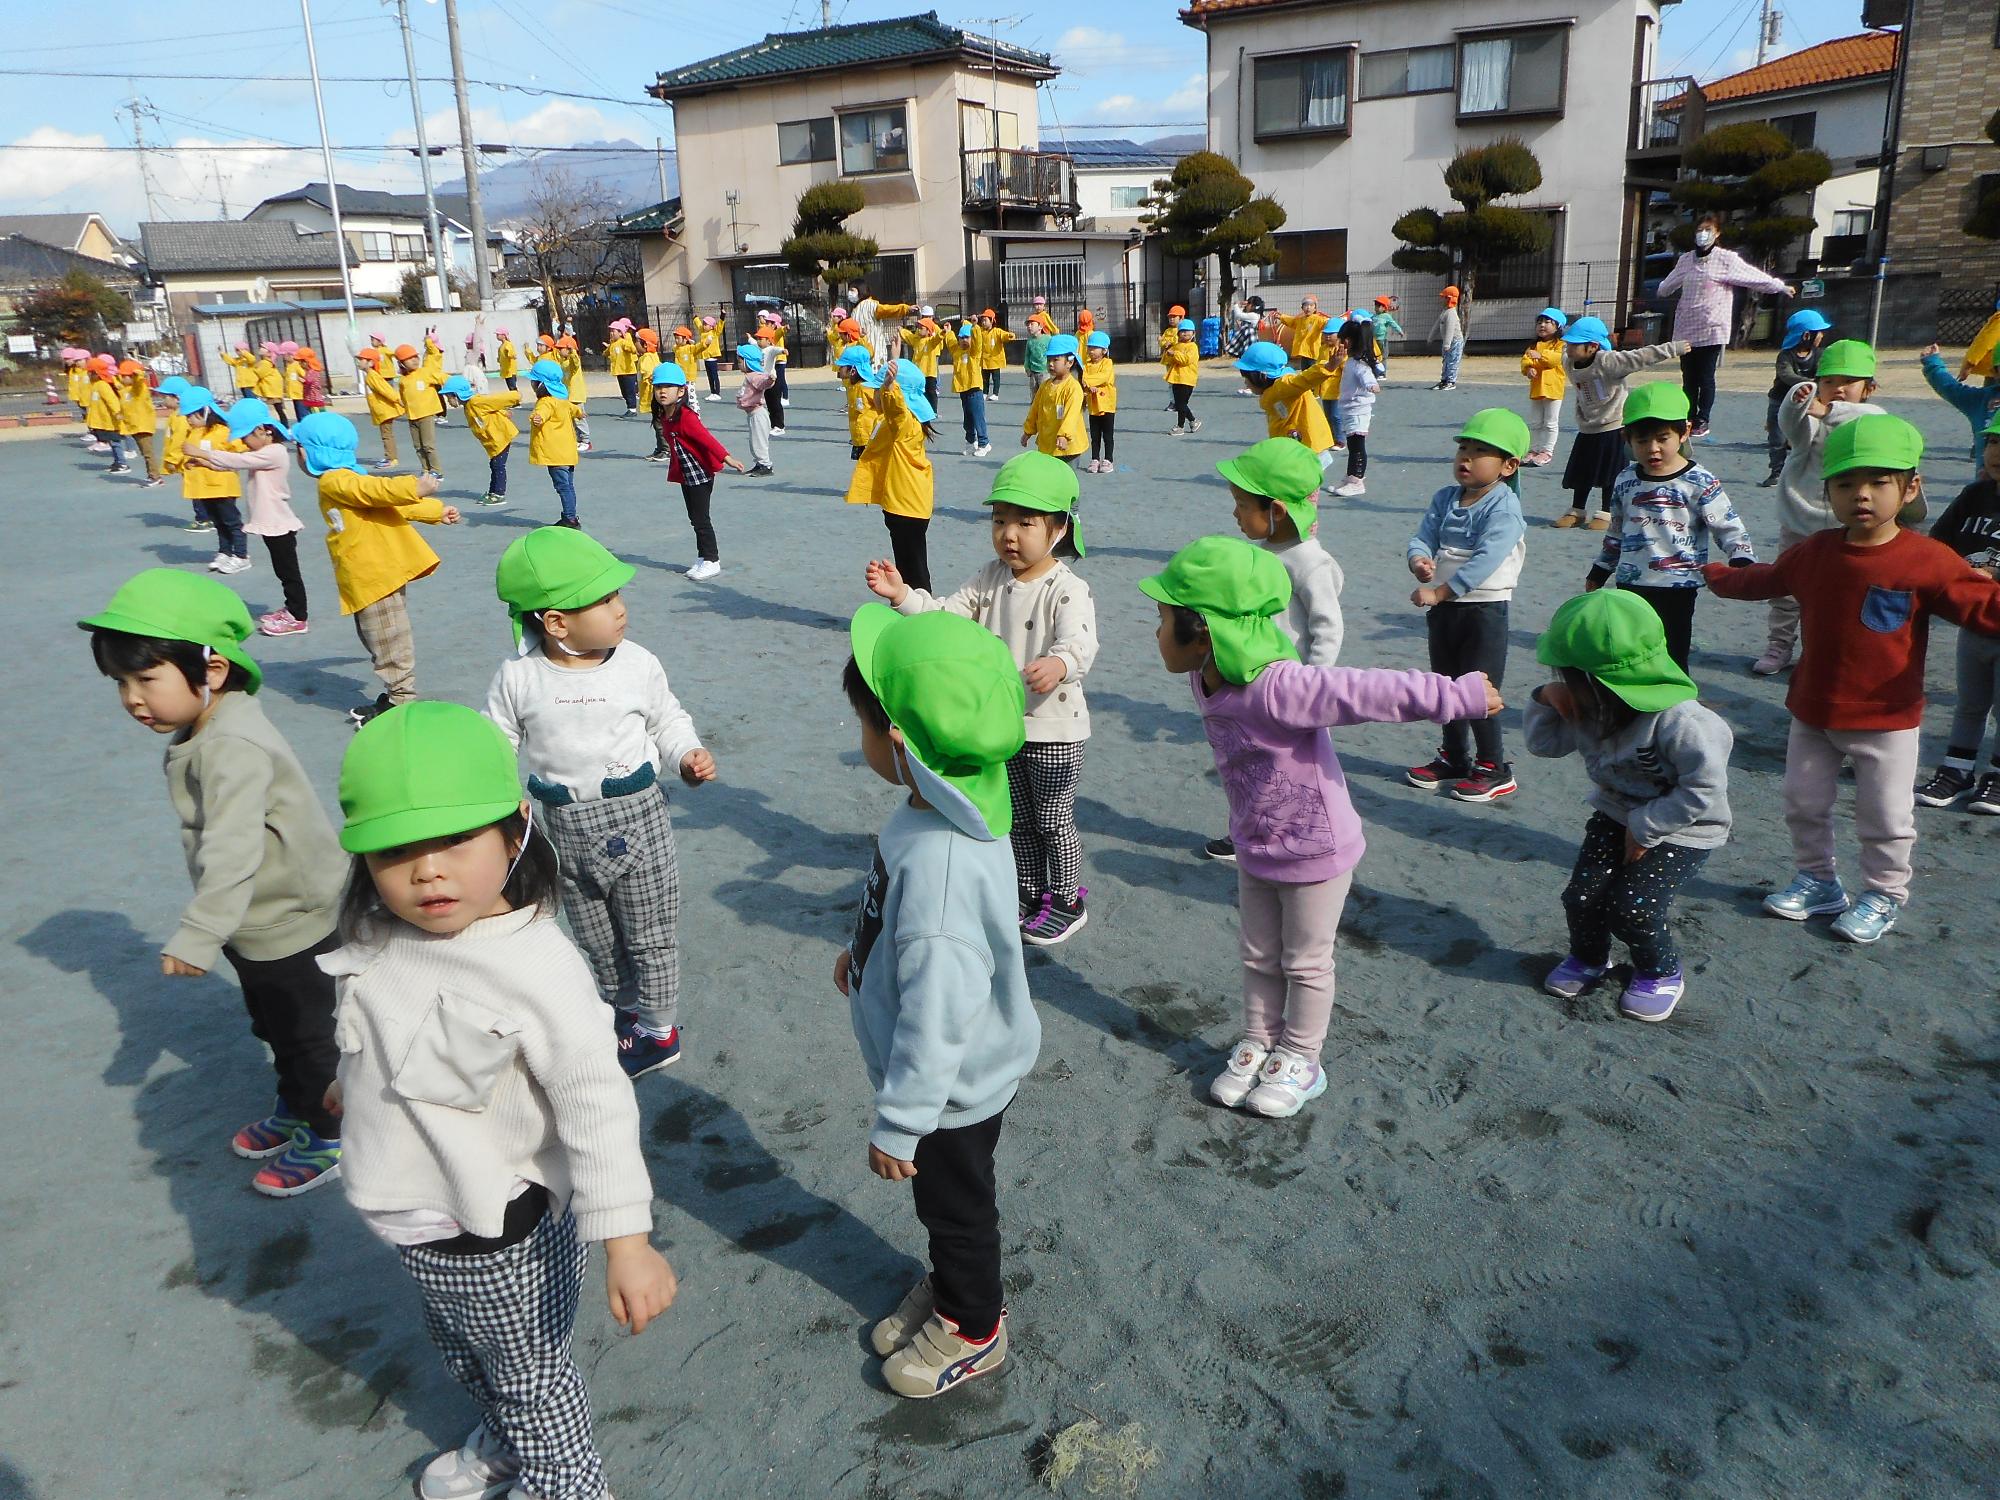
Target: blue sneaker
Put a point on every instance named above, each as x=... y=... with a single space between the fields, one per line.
x=1572 y=977
x=1871 y=915
x=1652 y=997
x=639 y=1054
x=1806 y=896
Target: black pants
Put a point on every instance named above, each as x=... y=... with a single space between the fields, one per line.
x=930 y=390
x=513 y=383
x=1357 y=455
x=1104 y=436
x=628 y=387
x=782 y=387
x=956 y=1203
x=1182 y=396
x=775 y=404
x=714 y=368
x=291 y=1002
x=1675 y=607
x=1698 y=379
x=908 y=541
x=991 y=380
x=698 y=497
x=284 y=552
x=1607 y=898
x=1470 y=638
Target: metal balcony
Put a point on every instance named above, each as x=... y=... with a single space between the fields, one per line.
x=1666 y=120
x=1033 y=181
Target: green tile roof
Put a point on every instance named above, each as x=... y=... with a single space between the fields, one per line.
x=906 y=39
x=649 y=221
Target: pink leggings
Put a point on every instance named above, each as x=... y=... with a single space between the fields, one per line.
x=1288 y=933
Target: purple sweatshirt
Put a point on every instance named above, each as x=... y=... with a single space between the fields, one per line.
x=1289 y=815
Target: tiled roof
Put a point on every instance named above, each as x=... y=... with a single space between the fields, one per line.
x=906 y=39
x=661 y=217
x=1201 y=10
x=64 y=231
x=1843 y=60
x=235 y=245
x=367 y=202
x=26 y=262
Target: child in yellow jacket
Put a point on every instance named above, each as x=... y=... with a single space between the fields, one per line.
x=1055 y=422
x=213 y=492
x=923 y=342
x=687 y=354
x=621 y=358
x=968 y=383
x=552 y=440
x=76 y=380
x=385 y=402
x=421 y=405
x=295 y=381
x=488 y=418
x=893 y=470
x=569 y=358
x=138 y=420
x=376 y=555
x=1100 y=399
x=1291 y=399
x=1180 y=361
x=993 y=341
x=243 y=366
x=270 y=385
x=510 y=359
x=1542 y=363
x=708 y=348
x=1171 y=334
x=104 y=406
x=649 y=356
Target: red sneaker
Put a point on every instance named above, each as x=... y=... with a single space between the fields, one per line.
x=1487 y=783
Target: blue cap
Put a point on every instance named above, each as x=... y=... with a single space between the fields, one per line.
x=666 y=372
x=247 y=415
x=1099 y=340
x=858 y=357
x=173 y=385
x=1587 y=331
x=457 y=386
x=1801 y=323
x=1263 y=358
x=327 y=439
x=911 y=381
x=1554 y=315
x=965 y=330
x=1186 y=325
x=750 y=354
x=198 y=398
x=547 y=374
x=1062 y=343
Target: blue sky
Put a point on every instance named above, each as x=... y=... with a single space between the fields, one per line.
x=1132 y=65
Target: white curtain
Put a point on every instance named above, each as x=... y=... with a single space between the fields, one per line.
x=1430 y=68
x=1323 y=83
x=1488 y=76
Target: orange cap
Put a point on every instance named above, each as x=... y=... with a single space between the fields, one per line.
x=1450 y=294
x=1177 y=311
x=565 y=342
x=406 y=351
x=851 y=328
x=987 y=312
x=929 y=325
x=547 y=341
x=130 y=367
x=683 y=332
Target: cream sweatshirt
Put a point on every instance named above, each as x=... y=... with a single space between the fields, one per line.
x=580 y=726
x=1052 y=616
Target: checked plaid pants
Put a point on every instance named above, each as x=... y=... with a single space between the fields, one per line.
x=621 y=889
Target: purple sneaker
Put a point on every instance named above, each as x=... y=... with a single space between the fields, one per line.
x=1572 y=977
x=1652 y=997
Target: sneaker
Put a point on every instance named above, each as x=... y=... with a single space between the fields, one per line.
x=1223 y=849
x=493 y=501
x=639 y=1054
x=1986 y=798
x=937 y=1359
x=198 y=524
x=384 y=463
x=367 y=711
x=1194 y=427
x=1031 y=907
x=1178 y=432
x=237 y=565
x=777 y=432
x=1440 y=772
x=659 y=458
x=1347 y=489
x=584 y=447
x=266 y=1137
x=437 y=474
x=1572 y=977
x=309 y=1162
x=982 y=450
x=119 y=469
x=901 y=1327
x=1774 y=660
x=1652 y=997
x=219 y=563
x=1569 y=520
x=1871 y=915
x=1487 y=783
x=1945 y=787
x=1239 y=1075
x=760 y=471
x=1770 y=479
x=570 y=521
x=1057 y=921
x=482 y=1468
x=708 y=567
x=1286 y=1084
x=1806 y=896
x=782 y=400
x=966 y=451
x=1598 y=522
x=281 y=622
x=1698 y=430
x=154 y=483
x=1448 y=385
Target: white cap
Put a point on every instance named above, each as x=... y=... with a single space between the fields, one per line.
x=927 y=311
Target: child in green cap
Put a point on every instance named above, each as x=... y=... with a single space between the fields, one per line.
x=1031 y=599
x=1869 y=589
x=1660 y=765
x=933 y=973
x=492 y=1136
x=1295 y=832
x=1466 y=557
x=1664 y=509
x=260 y=851
x=596 y=726
x=1970 y=526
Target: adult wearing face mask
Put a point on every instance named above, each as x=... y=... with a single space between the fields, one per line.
x=1707 y=278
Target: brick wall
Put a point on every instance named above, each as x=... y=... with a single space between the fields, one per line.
x=1952 y=85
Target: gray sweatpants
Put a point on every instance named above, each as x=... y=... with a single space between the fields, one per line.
x=1783 y=631
x=1978 y=691
x=1885 y=804
x=760 y=435
x=621 y=888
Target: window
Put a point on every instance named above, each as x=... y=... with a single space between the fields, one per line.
x=1315 y=255
x=1519 y=73
x=1798 y=129
x=1130 y=198
x=1416 y=70
x=410 y=247
x=802 y=141
x=874 y=140
x=1303 y=93
x=1853 y=221
x=373 y=246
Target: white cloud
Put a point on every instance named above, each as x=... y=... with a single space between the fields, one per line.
x=1188 y=102
x=559 y=122
x=1083 y=38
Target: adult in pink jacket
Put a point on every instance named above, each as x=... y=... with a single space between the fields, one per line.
x=1707 y=277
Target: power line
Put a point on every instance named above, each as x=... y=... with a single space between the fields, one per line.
x=208 y=150
x=628 y=100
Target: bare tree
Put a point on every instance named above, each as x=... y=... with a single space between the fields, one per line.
x=566 y=236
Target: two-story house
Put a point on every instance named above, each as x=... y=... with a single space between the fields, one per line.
x=939 y=127
x=387 y=233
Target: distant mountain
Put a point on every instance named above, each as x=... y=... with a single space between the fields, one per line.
x=1180 y=145
x=630 y=171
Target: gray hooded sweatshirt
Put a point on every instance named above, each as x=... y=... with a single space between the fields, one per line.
x=1665 y=775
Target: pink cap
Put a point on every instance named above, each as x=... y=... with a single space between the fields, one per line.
x=242 y=348
x=501 y=333
x=288 y=348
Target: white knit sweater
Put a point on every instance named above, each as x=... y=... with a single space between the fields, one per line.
x=1052 y=616
x=472 y=1062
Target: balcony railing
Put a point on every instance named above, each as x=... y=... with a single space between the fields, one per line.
x=1040 y=181
x=1666 y=116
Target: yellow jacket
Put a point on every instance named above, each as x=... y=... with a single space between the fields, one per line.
x=245 y=367
x=688 y=357
x=992 y=344
x=198 y=483
x=862 y=416
x=924 y=351
x=172 y=457
x=1308 y=331
x=137 y=415
x=369 y=537
x=965 y=373
x=778 y=341
x=622 y=355
x=552 y=434
x=295 y=377
x=1100 y=386
x=1292 y=409
x=103 y=407
x=487 y=417
x=836 y=341
x=649 y=361
x=893 y=471
x=385 y=402
x=1985 y=346
x=572 y=368
x=270 y=381
x=1543 y=365
x=1055 y=418
x=1168 y=338
x=510 y=361
x=432 y=369
x=78 y=383
x=708 y=343
x=420 y=397
x=1182 y=362
x=1333 y=359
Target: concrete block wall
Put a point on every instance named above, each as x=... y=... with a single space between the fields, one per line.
x=1952 y=86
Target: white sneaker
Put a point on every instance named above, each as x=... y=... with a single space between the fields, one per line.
x=704 y=569
x=982 y=450
x=1239 y=1074
x=1347 y=489
x=966 y=451
x=482 y=1469
x=238 y=565
x=219 y=563
x=1286 y=1085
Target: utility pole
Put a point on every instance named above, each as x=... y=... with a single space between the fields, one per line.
x=221 y=193
x=660 y=161
x=137 y=107
x=482 y=275
x=332 y=186
x=424 y=158
x=1770 y=28
x=825 y=13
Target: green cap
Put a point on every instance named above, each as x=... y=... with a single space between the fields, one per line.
x=1874 y=440
x=954 y=691
x=424 y=771
x=1039 y=481
x=170 y=605
x=1236 y=589
x=1617 y=638
x=1656 y=401
x=1847 y=357
x=1992 y=427
x=1284 y=471
x=556 y=567
x=1497 y=427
